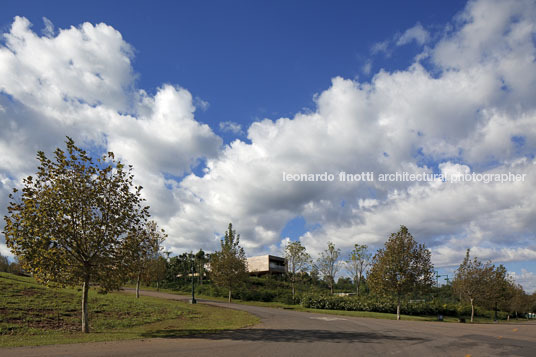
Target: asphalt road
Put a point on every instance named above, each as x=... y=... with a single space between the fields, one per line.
x=290 y=333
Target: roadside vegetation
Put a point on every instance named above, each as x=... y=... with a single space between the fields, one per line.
x=32 y=314
x=399 y=279
x=82 y=223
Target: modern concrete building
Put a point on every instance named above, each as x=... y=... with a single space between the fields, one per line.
x=267 y=264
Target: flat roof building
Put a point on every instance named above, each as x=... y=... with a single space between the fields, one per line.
x=267 y=264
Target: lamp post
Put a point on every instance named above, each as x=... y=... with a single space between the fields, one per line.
x=193 y=301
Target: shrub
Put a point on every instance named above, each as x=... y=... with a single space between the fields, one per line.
x=387 y=305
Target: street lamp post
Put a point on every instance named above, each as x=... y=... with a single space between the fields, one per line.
x=193 y=301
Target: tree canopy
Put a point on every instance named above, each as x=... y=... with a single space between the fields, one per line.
x=70 y=223
x=297 y=261
x=482 y=283
x=357 y=264
x=228 y=266
x=402 y=267
x=328 y=264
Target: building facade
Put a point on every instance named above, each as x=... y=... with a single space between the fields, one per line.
x=267 y=264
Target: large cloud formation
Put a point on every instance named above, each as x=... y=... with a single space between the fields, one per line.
x=466 y=104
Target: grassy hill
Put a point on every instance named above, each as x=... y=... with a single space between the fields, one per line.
x=31 y=314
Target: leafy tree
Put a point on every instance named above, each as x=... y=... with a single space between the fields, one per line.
x=328 y=264
x=297 y=262
x=142 y=246
x=472 y=280
x=228 y=266
x=357 y=264
x=70 y=222
x=156 y=270
x=4 y=263
x=499 y=288
x=519 y=301
x=402 y=267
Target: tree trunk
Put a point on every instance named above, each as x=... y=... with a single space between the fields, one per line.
x=157 y=285
x=229 y=296
x=138 y=286
x=398 y=309
x=331 y=288
x=357 y=287
x=293 y=291
x=85 y=320
x=472 y=310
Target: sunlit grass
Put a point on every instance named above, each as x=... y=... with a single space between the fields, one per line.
x=32 y=314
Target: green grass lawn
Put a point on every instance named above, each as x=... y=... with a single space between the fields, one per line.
x=31 y=314
x=369 y=314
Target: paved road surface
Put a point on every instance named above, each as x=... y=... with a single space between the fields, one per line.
x=291 y=333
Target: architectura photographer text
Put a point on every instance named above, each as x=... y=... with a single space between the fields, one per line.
x=403 y=176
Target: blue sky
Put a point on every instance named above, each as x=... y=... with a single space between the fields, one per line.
x=289 y=86
x=248 y=59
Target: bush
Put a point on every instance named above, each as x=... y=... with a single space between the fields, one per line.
x=387 y=305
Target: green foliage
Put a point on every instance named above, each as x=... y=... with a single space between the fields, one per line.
x=70 y=223
x=298 y=261
x=13 y=267
x=357 y=264
x=33 y=314
x=142 y=246
x=402 y=267
x=328 y=264
x=389 y=305
x=228 y=266
x=482 y=283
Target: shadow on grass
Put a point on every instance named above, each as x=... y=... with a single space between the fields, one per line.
x=283 y=335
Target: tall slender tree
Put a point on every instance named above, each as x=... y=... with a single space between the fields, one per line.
x=328 y=264
x=143 y=246
x=69 y=223
x=228 y=266
x=297 y=262
x=357 y=264
x=482 y=283
x=402 y=267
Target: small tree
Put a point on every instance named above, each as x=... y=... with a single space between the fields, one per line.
x=228 y=267
x=403 y=266
x=483 y=283
x=4 y=263
x=142 y=246
x=358 y=263
x=69 y=223
x=328 y=264
x=156 y=270
x=471 y=280
x=297 y=261
x=499 y=288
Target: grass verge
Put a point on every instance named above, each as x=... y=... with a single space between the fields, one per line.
x=31 y=314
x=366 y=314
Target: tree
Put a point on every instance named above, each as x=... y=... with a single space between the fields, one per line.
x=472 y=280
x=69 y=224
x=328 y=264
x=357 y=264
x=4 y=263
x=156 y=270
x=499 y=288
x=143 y=245
x=519 y=301
x=402 y=267
x=297 y=261
x=228 y=267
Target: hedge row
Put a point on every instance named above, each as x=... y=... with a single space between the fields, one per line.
x=389 y=306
